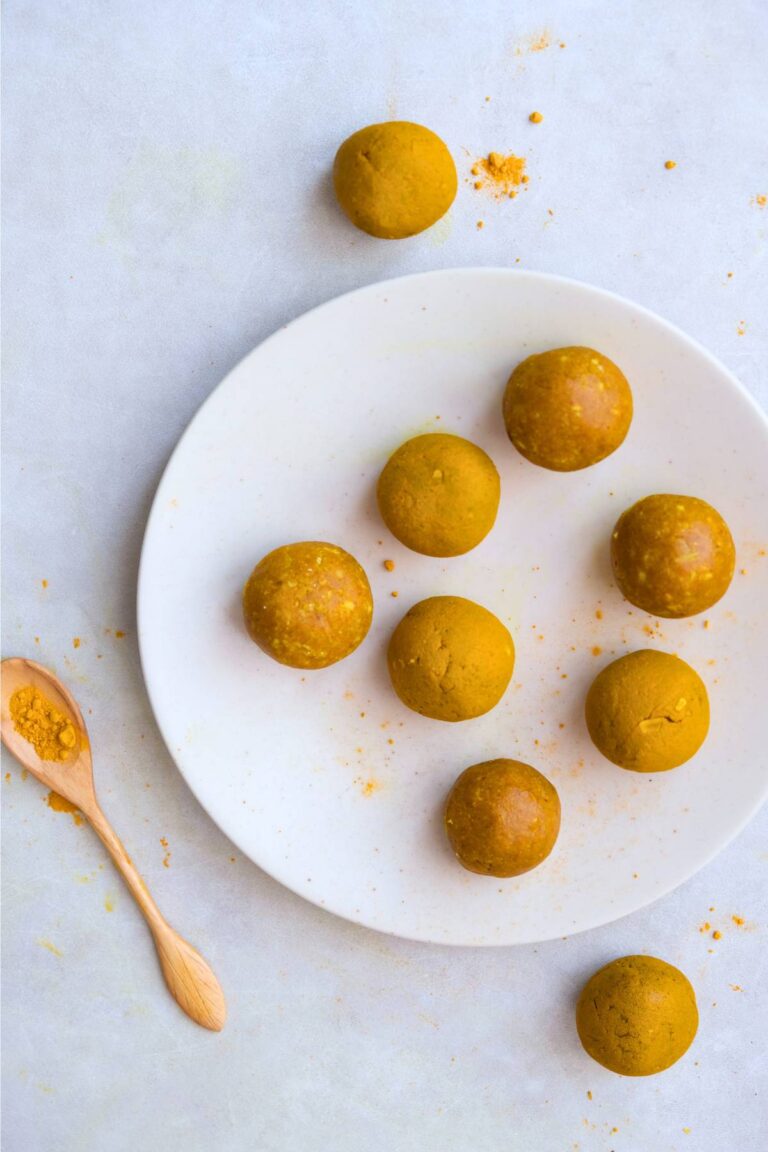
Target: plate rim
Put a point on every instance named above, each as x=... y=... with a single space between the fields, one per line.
x=370 y=289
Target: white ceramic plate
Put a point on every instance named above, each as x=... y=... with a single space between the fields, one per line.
x=324 y=778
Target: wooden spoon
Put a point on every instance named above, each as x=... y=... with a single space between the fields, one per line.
x=190 y=981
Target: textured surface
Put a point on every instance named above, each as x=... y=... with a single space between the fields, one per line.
x=167 y=206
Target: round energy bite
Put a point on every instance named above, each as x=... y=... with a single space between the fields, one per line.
x=395 y=179
x=637 y=1015
x=439 y=494
x=502 y=818
x=567 y=408
x=450 y=659
x=648 y=711
x=308 y=605
x=672 y=555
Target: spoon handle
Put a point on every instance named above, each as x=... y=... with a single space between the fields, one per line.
x=190 y=980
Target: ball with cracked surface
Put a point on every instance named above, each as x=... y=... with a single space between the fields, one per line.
x=450 y=659
x=637 y=1016
x=648 y=711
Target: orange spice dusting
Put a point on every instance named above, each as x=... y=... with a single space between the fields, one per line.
x=599 y=614
x=44 y=583
x=500 y=175
x=705 y=927
x=389 y=565
x=589 y=1095
x=738 y=920
x=761 y=201
x=669 y=165
x=597 y=651
x=59 y=804
x=370 y=787
x=394 y=595
x=706 y=624
x=119 y=635
x=167 y=857
x=741 y=329
x=736 y=987
x=480 y=223
x=717 y=935
x=7 y=777
x=76 y=642
x=535 y=117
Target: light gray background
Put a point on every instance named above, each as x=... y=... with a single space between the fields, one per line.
x=167 y=206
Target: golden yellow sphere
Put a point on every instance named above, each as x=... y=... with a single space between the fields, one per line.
x=502 y=818
x=648 y=711
x=637 y=1015
x=308 y=605
x=395 y=179
x=439 y=494
x=672 y=555
x=567 y=408
x=450 y=659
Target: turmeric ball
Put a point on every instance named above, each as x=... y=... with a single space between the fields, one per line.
x=450 y=659
x=648 y=711
x=672 y=555
x=567 y=408
x=439 y=494
x=395 y=179
x=308 y=605
x=502 y=818
x=637 y=1015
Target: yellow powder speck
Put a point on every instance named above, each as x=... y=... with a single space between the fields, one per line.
x=706 y=624
x=743 y=571
x=736 y=987
x=535 y=117
x=119 y=635
x=167 y=857
x=669 y=165
x=50 y=947
x=109 y=903
x=589 y=1095
x=741 y=328
x=597 y=651
x=480 y=223
x=44 y=583
x=390 y=740
x=705 y=927
x=717 y=935
x=761 y=201
x=500 y=175
x=598 y=614
x=37 y=639
x=7 y=777
x=370 y=786
x=394 y=595
x=738 y=920
x=687 y=1131
x=729 y=275
x=487 y=99
x=389 y=565
x=76 y=642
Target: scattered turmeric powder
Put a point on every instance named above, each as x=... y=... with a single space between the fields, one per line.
x=389 y=565
x=669 y=165
x=167 y=857
x=50 y=732
x=480 y=224
x=394 y=595
x=59 y=804
x=597 y=651
x=717 y=935
x=500 y=175
x=76 y=642
x=535 y=117
x=119 y=635
x=738 y=920
x=44 y=583
x=761 y=201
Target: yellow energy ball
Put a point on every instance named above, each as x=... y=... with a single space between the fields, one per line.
x=567 y=408
x=439 y=494
x=672 y=555
x=395 y=179
x=502 y=818
x=450 y=659
x=637 y=1015
x=648 y=711
x=308 y=605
